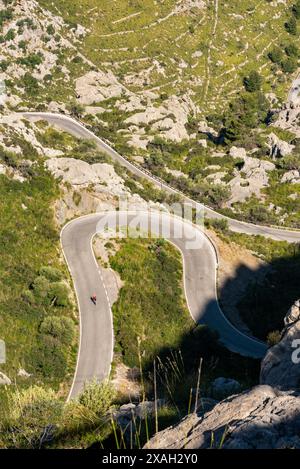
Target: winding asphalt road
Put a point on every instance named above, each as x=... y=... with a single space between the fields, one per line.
x=77 y=129
x=200 y=267
x=96 y=344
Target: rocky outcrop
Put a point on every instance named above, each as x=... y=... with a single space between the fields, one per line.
x=237 y=152
x=88 y=188
x=250 y=179
x=261 y=418
x=23 y=373
x=170 y=118
x=292 y=176
x=281 y=365
x=94 y=87
x=82 y=175
x=4 y=380
x=185 y=6
x=124 y=415
x=279 y=147
x=288 y=116
x=267 y=416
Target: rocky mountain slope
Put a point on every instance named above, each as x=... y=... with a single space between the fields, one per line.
x=168 y=85
x=266 y=416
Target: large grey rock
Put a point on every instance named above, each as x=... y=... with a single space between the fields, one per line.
x=279 y=147
x=80 y=174
x=94 y=87
x=251 y=179
x=23 y=373
x=237 y=152
x=293 y=314
x=259 y=418
x=4 y=380
x=292 y=176
x=267 y=416
x=281 y=368
x=223 y=387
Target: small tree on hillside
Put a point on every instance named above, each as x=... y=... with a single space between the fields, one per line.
x=289 y=65
x=253 y=82
x=292 y=50
x=291 y=26
x=296 y=10
x=75 y=109
x=276 y=55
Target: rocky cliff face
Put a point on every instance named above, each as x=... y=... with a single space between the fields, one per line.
x=281 y=365
x=267 y=416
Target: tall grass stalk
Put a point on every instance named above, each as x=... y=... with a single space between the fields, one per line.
x=115 y=432
x=198 y=385
x=190 y=401
x=143 y=388
x=155 y=396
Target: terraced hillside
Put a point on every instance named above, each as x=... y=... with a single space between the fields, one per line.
x=204 y=47
x=190 y=89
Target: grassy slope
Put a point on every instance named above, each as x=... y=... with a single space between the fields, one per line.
x=245 y=33
x=151 y=306
x=29 y=240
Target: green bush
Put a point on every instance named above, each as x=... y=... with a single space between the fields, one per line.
x=97 y=397
x=30 y=83
x=290 y=162
x=59 y=327
x=218 y=224
x=50 y=358
x=289 y=65
x=22 y=45
x=40 y=288
x=4 y=64
x=245 y=113
x=76 y=109
x=292 y=50
x=51 y=273
x=291 y=26
x=253 y=82
x=90 y=411
x=296 y=10
x=276 y=55
x=29 y=297
x=10 y=35
x=50 y=30
x=32 y=60
x=59 y=294
x=9 y=158
x=33 y=418
x=154 y=162
x=5 y=15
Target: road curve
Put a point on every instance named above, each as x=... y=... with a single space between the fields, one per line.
x=77 y=129
x=96 y=344
x=200 y=265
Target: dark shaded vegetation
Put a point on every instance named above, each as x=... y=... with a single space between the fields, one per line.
x=253 y=81
x=245 y=114
x=266 y=302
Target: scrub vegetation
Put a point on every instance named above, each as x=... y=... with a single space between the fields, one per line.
x=37 y=316
x=264 y=304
